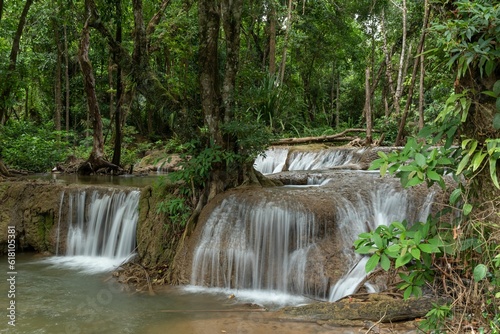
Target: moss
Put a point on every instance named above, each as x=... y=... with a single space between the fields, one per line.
x=44 y=226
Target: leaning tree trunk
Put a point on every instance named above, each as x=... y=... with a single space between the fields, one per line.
x=96 y=159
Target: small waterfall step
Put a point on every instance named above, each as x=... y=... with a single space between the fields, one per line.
x=101 y=228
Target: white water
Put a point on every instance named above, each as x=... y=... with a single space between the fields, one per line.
x=255 y=246
x=276 y=159
x=272 y=161
x=101 y=230
x=320 y=160
x=385 y=206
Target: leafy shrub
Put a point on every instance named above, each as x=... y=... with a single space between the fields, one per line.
x=35 y=148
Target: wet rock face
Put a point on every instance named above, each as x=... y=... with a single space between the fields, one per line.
x=351 y=202
x=30 y=207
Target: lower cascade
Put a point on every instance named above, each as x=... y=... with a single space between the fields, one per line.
x=258 y=246
x=298 y=240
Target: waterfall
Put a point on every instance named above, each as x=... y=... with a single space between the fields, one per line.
x=276 y=159
x=272 y=161
x=258 y=246
x=106 y=227
x=384 y=206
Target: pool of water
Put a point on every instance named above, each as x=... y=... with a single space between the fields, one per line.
x=120 y=180
x=64 y=295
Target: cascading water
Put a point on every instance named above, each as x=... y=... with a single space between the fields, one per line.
x=298 y=239
x=385 y=206
x=277 y=159
x=258 y=246
x=101 y=229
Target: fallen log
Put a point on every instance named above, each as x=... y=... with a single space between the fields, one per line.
x=319 y=139
x=354 y=309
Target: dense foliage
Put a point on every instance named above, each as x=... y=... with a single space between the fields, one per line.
x=423 y=73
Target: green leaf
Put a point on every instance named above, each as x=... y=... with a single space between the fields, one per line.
x=480 y=272
x=385 y=262
x=426 y=248
x=382 y=155
x=493 y=171
x=377 y=240
x=431 y=174
x=467 y=209
x=496 y=119
x=401 y=261
x=496 y=87
x=462 y=164
x=420 y=159
x=413 y=182
x=497 y=104
x=365 y=250
x=372 y=263
x=455 y=195
x=407 y=292
x=477 y=160
x=383 y=168
x=415 y=252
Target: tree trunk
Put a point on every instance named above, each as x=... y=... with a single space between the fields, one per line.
x=7 y=89
x=117 y=151
x=96 y=159
x=272 y=40
x=57 y=80
x=417 y=60
x=422 y=68
x=66 y=76
x=285 y=43
x=3 y=170
x=231 y=22
x=400 y=79
x=368 y=107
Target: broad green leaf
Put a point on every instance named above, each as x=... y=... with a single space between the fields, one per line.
x=383 y=168
x=413 y=182
x=496 y=120
x=493 y=171
x=433 y=175
x=365 y=250
x=372 y=263
x=407 y=293
x=385 y=262
x=426 y=248
x=496 y=87
x=497 y=104
x=382 y=155
x=401 y=261
x=467 y=209
x=480 y=272
x=420 y=159
x=477 y=160
x=377 y=240
x=415 y=252
x=463 y=163
x=455 y=195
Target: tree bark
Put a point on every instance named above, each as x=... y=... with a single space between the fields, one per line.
x=117 y=151
x=96 y=159
x=416 y=62
x=285 y=43
x=422 y=69
x=368 y=107
x=341 y=136
x=7 y=89
x=272 y=39
x=57 y=80
x=66 y=76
